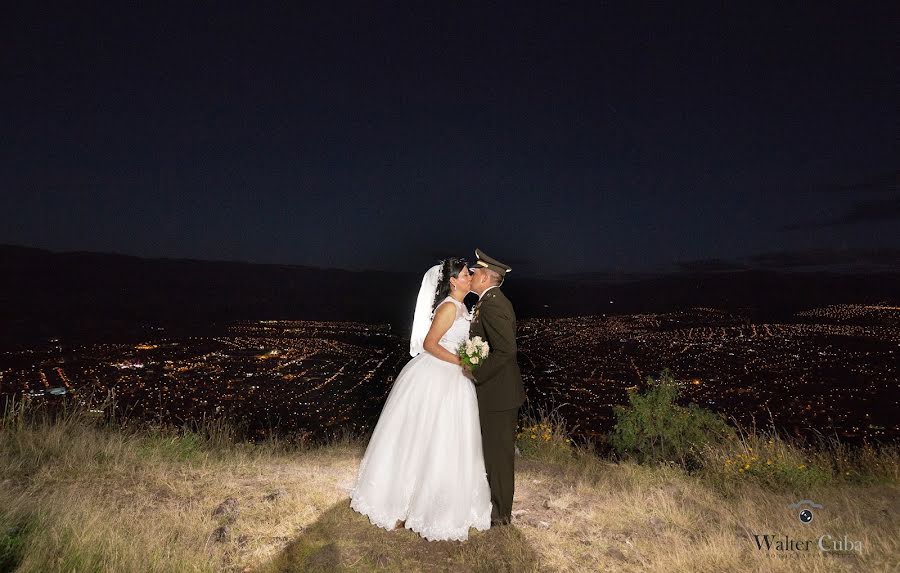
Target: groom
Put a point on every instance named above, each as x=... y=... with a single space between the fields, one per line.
x=498 y=382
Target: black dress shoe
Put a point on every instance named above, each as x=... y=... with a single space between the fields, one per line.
x=500 y=521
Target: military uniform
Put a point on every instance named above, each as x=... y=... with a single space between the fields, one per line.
x=498 y=385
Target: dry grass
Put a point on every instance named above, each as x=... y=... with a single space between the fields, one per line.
x=75 y=497
x=625 y=517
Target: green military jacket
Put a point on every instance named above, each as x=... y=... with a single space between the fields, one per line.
x=498 y=382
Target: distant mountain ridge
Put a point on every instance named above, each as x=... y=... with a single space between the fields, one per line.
x=40 y=285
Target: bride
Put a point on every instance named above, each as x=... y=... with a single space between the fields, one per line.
x=424 y=466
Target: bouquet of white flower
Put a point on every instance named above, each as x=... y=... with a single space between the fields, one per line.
x=473 y=351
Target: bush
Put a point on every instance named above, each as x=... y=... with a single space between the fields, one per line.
x=13 y=537
x=171 y=446
x=778 y=462
x=773 y=471
x=655 y=429
x=543 y=436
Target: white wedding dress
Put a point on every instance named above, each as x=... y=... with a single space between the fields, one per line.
x=424 y=462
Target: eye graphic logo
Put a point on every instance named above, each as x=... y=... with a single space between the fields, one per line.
x=805 y=515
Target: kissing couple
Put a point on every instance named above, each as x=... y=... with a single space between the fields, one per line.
x=441 y=458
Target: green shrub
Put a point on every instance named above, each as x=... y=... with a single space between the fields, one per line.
x=655 y=429
x=13 y=537
x=169 y=445
x=542 y=435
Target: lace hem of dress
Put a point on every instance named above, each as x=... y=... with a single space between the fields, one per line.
x=388 y=521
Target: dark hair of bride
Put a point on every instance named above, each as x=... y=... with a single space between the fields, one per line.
x=449 y=268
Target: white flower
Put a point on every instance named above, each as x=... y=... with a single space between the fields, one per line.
x=473 y=360
x=485 y=349
x=470 y=347
x=477 y=340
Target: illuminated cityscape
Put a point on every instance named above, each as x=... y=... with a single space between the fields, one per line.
x=829 y=370
x=833 y=369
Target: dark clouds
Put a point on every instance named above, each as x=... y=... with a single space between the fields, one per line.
x=867 y=209
x=880 y=183
x=710 y=265
x=825 y=258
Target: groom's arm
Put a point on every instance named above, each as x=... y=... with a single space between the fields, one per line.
x=500 y=331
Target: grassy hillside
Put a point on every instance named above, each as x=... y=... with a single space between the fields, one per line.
x=77 y=495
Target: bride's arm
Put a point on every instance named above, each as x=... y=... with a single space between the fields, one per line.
x=443 y=319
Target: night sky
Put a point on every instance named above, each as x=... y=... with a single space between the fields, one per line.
x=559 y=138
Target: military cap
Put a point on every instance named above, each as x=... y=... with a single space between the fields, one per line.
x=485 y=262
